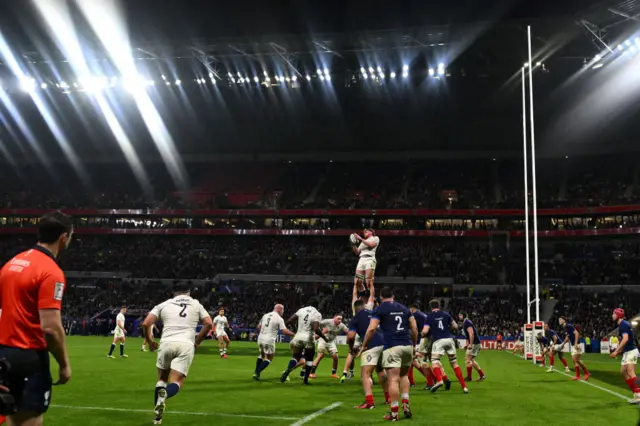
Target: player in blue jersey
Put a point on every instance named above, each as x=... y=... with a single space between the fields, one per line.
x=438 y=327
x=518 y=348
x=400 y=338
x=473 y=346
x=555 y=347
x=573 y=338
x=542 y=340
x=371 y=356
x=420 y=318
x=627 y=348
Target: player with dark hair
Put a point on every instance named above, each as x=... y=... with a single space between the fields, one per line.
x=438 y=327
x=425 y=370
x=371 y=357
x=303 y=343
x=400 y=338
x=573 y=337
x=555 y=347
x=119 y=334
x=629 y=352
x=473 y=346
x=31 y=289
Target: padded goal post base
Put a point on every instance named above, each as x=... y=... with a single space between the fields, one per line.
x=532 y=350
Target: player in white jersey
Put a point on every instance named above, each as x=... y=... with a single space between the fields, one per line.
x=303 y=343
x=180 y=316
x=366 y=269
x=331 y=328
x=220 y=324
x=269 y=326
x=119 y=334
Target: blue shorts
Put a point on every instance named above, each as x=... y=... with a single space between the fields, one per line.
x=29 y=378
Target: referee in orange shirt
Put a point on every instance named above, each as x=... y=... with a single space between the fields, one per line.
x=31 y=289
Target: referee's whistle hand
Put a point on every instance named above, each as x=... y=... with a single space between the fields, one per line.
x=65 y=375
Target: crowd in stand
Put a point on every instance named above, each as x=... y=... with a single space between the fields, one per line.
x=436 y=184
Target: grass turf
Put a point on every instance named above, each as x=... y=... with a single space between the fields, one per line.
x=221 y=392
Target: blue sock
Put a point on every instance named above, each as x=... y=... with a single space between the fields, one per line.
x=258 y=364
x=113 y=346
x=265 y=364
x=292 y=364
x=172 y=389
x=121 y=349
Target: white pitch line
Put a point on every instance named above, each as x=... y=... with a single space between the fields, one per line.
x=316 y=414
x=596 y=386
x=188 y=413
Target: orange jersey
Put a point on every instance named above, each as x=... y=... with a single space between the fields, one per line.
x=29 y=282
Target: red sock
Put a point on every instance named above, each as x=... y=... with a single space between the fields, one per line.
x=543 y=362
x=564 y=362
x=411 y=381
x=444 y=375
x=423 y=371
x=438 y=373
x=551 y=361
x=369 y=399
x=387 y=397
x=577 y=371
x=405 y=401
x=2 y=419
x=394 y=408
x=584 y=369
x=469 y=371
x=459 y=376
x=480 y=372
x=430 y=376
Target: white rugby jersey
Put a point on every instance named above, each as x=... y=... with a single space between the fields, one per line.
x=306 y=316
x=366 y=251
x=120 y=318
x=180 y=316
x=270 y=325
x=332 y=329
x=221 y=323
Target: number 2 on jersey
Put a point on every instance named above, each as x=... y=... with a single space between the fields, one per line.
x=182 y=313
x=399 y=319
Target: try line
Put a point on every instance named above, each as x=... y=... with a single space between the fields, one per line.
x=187 y=413
x=316 y=414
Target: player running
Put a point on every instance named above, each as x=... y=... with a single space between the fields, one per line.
x=400 y=336
x=629 y=351
x=438 y=327
x=269 y=326
x=366 y=250
x=180 y=317
x=220 y=324
x=331 y=328
x=573 y=337
x=372 y=355
x=302 y=345
x=555 y=347
x=473 y=347
x=119 y=334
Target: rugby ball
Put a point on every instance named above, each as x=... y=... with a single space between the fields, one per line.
x=353 y=239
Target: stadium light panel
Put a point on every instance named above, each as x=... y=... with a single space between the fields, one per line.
x=267 y=79
x=308 y=77
x=318 y=71
x=326 y=71
x=370 y=69
x=328 y=77
x=597 y=57
x=620 y=47
x=43 y=86
x=431 y=72
x=294 y=78
x=178 y=82
x=288 y=79
x=365 y=76
x=392 y=75
x=213 y=80
x=598 y=65
x=379 y=69
x=362 y=70
x=405 y=68
x=239 y=75
x=210 y=75
x=628 y=43
x=27 y=84
x=405 y=74
x=230 y=75
x=266 y=74
x=321 y=77
x=164 y=77
x=382 y=75
x=256 y=79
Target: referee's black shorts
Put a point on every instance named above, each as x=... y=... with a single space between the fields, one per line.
x=29 y=378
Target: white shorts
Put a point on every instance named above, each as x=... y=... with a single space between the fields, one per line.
x=558 y=348
x=304 y=341
x=397 y=357
x=177 y=356
x=372 y=356
x=328 y=347
x=267 y=346
x=630 y=357
x=221 y=334
x=366 y=263
x=442 y=346
x=519 y=343
x=475 y=350
x=575 y=350
x=118 y=333
x=424 y=347
x=614 y=348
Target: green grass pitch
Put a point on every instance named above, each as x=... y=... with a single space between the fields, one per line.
x=221 y=391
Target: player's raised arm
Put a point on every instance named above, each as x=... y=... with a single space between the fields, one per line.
x=370 y=242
